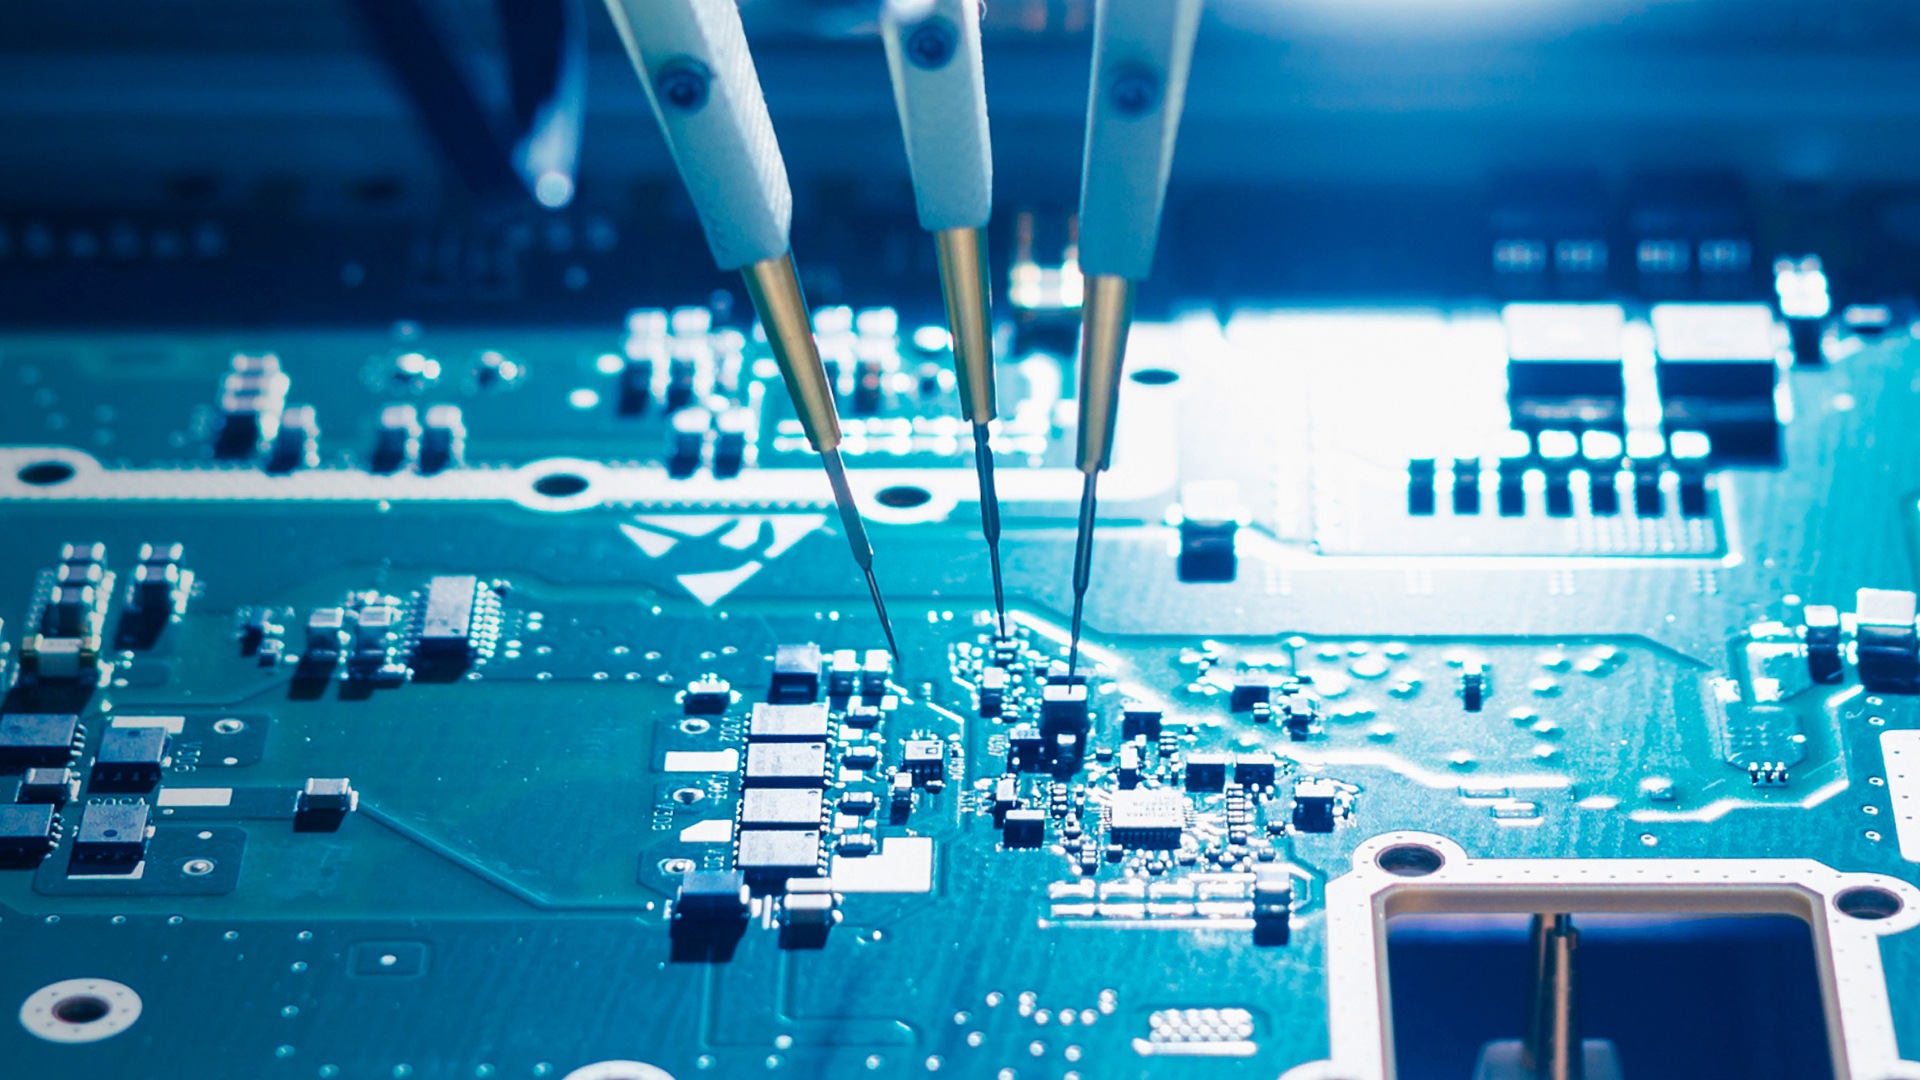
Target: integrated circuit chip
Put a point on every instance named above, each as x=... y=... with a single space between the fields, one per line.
x=778 y=853
x=112 y=835
x=27 y=833
x=1147 y=817
x=786 y=764
x=129 y=758
x=37 y=738
x=782 y=808
x=789 y=723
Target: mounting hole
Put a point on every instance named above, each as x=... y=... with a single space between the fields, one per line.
x=1868 y=902
x=903 y=497
x=45 y=473
x=560 y=485
x=1409 y=860
x=80 y=1010
x=1155 y=376
x=619 y=1070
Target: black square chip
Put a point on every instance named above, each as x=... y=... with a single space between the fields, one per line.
x=26 y=834
x=129 y=758
x=37 y=738
x=111 y=835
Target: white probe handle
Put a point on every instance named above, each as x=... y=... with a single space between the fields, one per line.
x=933 y=51
x=692 y=58
x=1142 y=51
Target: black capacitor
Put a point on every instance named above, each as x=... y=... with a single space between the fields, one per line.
x=1420 y=487
x=687 y=441
x=1648 y=500
x=1466 y=485
x=636 y=387
x=1512 y=497
x=1823 y=643
x=1603 y=487
x=730 y=442
x=1559 y=490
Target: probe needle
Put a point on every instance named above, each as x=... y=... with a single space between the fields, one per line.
x=1082 y=565
x=857 y=538
x=990 y=515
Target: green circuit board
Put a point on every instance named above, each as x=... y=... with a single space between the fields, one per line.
x=453 y=704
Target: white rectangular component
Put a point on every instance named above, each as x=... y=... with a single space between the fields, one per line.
x=195 y=796
x=904 y=864
x=1901 y=749
x=1714 y=332
x=1564 y=331
x=173 y=724
x=1885 y=607
x=702 y=761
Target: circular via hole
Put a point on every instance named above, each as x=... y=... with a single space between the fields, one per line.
x=687 y=796
x=45 y=473
x=1155 y=376
x=197 y=867
x=1409 y=860
x=229 y=726
x=694 y=725
x=903 y=496
x=1868 y=902
x=560 y=485
x=80 y=1009
x=677 y=866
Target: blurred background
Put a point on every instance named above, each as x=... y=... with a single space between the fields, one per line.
x=320 y=161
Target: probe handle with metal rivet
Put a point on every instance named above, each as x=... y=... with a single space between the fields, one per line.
x=1142 y=52
x=693 y=62
x=933 y=54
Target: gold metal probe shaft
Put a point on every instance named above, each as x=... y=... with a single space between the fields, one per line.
x=1106 y=314
x=775 y=289
x=969 y=296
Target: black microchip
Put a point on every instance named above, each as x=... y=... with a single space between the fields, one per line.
x=26 y=833
x=1248 y=691
x=111 y=834
x=711 y=894
x=446 y=621
x=926 y=759
x=1023 y=828
x=709 y=696
x=796 y=674
x=1254 y=770
x=129 y=758
x=37 y=738
x=1206 y=771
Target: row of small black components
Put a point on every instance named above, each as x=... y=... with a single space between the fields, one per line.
x=1603 y=492
x=255 y=418
x=126 y=765
x=1886 y=640
x=69 y=613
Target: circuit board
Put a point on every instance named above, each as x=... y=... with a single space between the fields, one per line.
x=431 y=703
